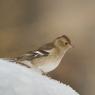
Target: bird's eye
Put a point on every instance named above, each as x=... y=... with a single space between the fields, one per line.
x=66 y=43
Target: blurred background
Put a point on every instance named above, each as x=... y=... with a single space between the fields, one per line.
x=28 y=24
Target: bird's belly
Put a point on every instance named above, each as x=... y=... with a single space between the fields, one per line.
x=47 y=65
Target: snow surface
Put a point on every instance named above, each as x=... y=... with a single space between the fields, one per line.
x=18 y=80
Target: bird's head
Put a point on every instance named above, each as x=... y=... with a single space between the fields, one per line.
x=63 y=42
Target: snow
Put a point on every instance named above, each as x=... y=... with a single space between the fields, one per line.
x=18 y=80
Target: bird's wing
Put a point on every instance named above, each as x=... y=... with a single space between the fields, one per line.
x=41 y=52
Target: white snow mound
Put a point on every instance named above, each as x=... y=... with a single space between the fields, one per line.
x=18 y=80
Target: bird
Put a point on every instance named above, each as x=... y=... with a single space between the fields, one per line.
x=47 y=57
